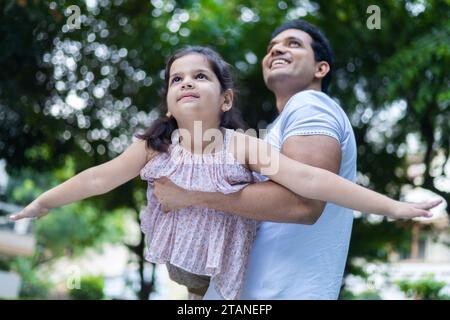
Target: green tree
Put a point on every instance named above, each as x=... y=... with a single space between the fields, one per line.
x=426 y=288
x=91 y=288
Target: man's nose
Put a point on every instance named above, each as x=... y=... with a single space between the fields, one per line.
x=277 y=49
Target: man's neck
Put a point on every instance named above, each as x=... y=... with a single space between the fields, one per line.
x=283 y=97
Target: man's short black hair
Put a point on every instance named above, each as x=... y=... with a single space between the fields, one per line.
x=320 y=45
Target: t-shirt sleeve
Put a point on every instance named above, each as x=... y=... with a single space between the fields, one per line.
x=311 y=119
x=259 y=177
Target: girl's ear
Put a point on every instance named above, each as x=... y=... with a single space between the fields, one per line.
x=227 y=100
x=168 y=114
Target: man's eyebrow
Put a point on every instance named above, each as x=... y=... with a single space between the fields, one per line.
x=296 y=39
x=273 y=42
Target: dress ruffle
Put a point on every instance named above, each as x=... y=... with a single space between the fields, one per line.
x=199 y=240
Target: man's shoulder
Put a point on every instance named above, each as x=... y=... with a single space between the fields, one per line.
x=314 y=112
x=317 y=100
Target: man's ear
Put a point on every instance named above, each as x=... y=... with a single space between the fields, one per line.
x=227 y=100
x=322 y=69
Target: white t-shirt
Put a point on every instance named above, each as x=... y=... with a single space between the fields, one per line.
x=295 y=261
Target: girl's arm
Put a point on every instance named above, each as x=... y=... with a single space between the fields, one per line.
x=91 y=182
x=316 y=183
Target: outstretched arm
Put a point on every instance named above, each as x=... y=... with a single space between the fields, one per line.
x=90 y=182
x=320 y=184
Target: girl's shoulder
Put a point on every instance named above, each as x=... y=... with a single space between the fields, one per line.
x=150 y=153
x=236 y=146
x=146 y=150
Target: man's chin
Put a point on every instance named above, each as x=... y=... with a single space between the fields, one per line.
x=277 y=77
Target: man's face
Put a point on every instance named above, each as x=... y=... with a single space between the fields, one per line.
x=289 y=60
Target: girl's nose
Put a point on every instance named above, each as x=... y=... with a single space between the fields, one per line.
x=187 y=85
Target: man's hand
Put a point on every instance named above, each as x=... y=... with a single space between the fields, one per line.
x=171 y=196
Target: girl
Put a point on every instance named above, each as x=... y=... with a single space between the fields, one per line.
x=199 y=244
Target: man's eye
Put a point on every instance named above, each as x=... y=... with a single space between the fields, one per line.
x=294 y=43
x=201 y=76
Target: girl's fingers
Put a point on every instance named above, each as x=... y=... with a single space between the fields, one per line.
x=428 y=205
x=427 y=214
x=423 y=213
x=432 y=204
x=18 y=216
x=436 y=202
x=21 y=215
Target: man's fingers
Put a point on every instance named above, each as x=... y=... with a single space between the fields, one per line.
x=162 y=180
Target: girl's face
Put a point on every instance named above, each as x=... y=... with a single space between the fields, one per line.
x=194 y=92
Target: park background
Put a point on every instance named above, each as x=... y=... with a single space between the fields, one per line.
x=72 y=98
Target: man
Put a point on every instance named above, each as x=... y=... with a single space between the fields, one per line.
x=301 y=245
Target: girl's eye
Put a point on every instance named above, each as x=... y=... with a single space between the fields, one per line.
x=201 y=76
x=176 y=79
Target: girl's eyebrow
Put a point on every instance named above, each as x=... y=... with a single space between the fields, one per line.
x=202 y=70
x=195 y=71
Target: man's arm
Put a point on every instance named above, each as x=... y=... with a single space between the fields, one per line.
x=268 y=200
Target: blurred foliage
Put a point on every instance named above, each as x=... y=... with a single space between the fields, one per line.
x=424 y=289
x=365 y=295
x=70 y=229
x=91 y=288
x=75 y=97
x=67 y=231
x=34 y=283
x=376 y=242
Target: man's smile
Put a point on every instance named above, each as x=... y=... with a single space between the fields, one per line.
x=278 y=62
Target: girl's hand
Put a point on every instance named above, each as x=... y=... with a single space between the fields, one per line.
x=33 y=210
x=405 y=210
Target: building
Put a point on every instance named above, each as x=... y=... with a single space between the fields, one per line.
x=429 y=255
x=16 y=239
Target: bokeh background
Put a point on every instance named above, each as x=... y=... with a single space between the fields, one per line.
x=73 y=98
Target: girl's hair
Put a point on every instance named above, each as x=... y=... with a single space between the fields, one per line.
x=158 y=135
